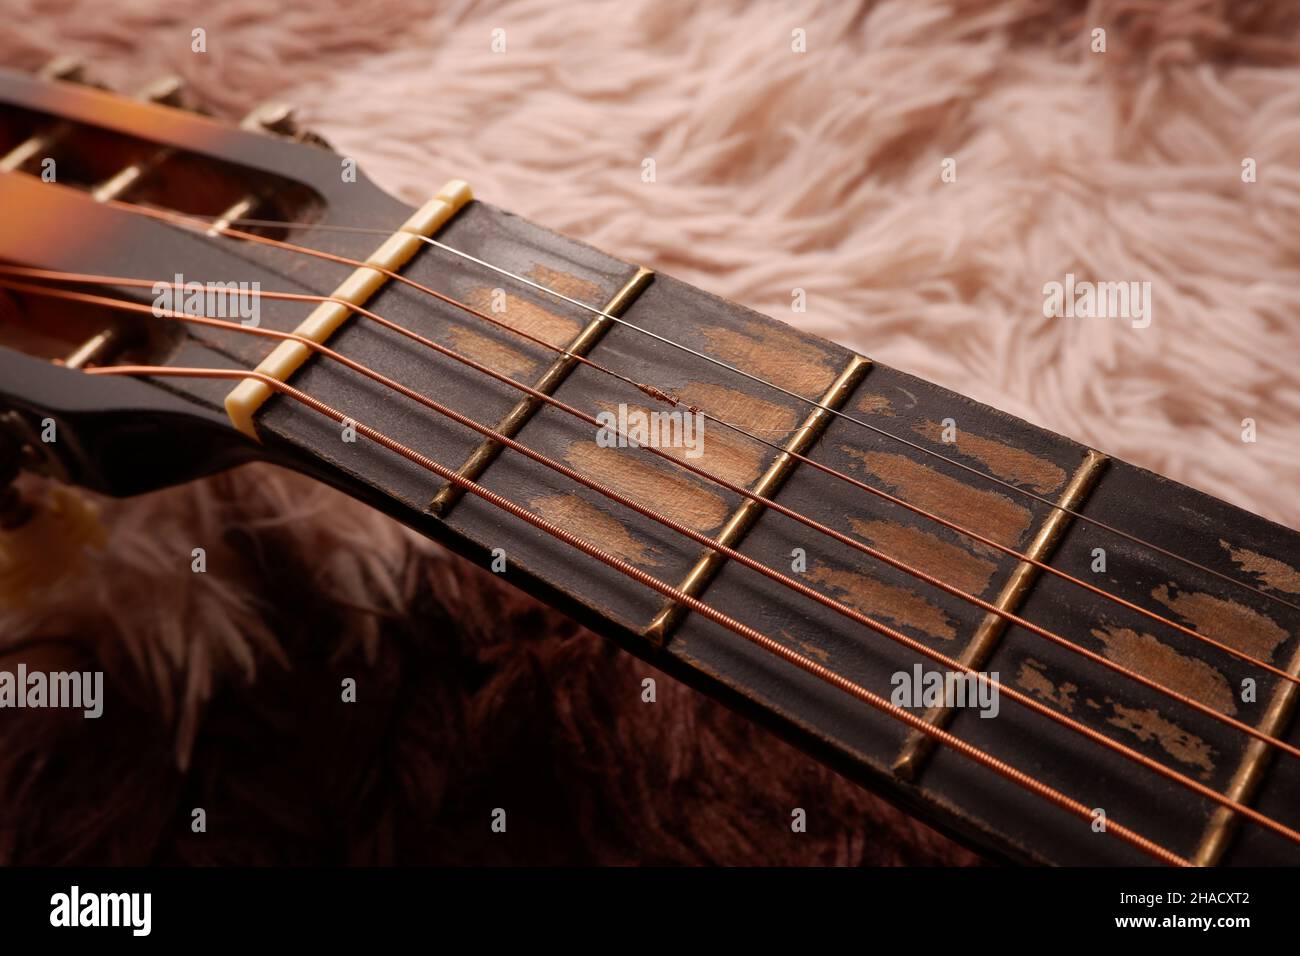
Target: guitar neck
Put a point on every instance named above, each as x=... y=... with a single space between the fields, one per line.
x=1023 y=576
x=920 y=444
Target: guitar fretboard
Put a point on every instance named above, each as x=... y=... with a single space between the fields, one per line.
x=977 y=499
x=867 y=744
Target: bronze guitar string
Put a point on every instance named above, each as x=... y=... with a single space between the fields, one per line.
x=835 y=679
x=663 y=396
x=221 y=226
x=660 y=394
x=894 y=635
x=761 y=381
x=1002 y=768
x=568 y=409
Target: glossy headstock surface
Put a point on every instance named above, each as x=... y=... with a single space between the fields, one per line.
x=72 y=157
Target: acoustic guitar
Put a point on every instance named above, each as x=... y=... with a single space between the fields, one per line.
x=1051 y=654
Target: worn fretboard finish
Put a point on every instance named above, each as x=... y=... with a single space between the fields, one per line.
x=960 y=796
x=942 y=430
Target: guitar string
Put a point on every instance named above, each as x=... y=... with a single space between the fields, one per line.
x=193 y=221
x=761 y=640
x=704 y=540
x=1096 y=522
x=807 y=664
x=1247 y=814
x=898 y=564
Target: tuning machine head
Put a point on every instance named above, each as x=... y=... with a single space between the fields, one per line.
x=279 y=119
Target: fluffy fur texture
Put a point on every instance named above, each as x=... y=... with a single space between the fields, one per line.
x=775 y=170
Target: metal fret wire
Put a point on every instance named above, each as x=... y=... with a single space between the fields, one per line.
x=767 y=384
x=191 y=221
x=1008 y=771
x=695 y=604
x=898 y=637
x=722 y=482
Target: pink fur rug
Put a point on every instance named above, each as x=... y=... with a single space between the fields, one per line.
x=819 y=170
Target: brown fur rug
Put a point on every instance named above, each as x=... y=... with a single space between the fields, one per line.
x=224 y=693
x=775 y=172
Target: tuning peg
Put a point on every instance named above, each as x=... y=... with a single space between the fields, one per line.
x=272 y=117
x=278 y=118
x=166 y=90
x=66 y=68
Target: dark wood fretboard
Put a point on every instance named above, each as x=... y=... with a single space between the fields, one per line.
x=872 y=747
x=950 y=458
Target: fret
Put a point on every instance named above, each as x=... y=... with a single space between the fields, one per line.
x=1262 y=779
x=677 y=311
x=485 y=232
x=550 y=380
x=961 y=797
x=742 y=519
x=865 y=745
x=1163 y=729
x=1278 y=782
x=1251 y=772
x=919 y=747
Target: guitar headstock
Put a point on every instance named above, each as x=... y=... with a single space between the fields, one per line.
x=76 y=163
